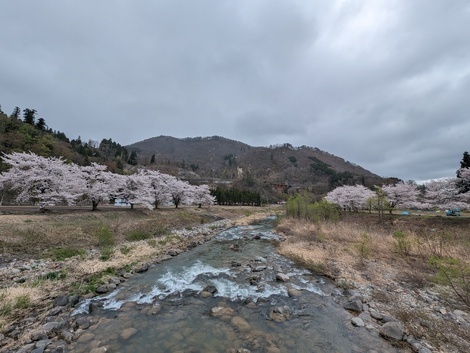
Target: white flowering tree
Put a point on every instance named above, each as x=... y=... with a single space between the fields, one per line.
x=158 y=187
x=202 y=196
x=41 y=180
x=444 y=194
x=136 y=189
x=51 y=180
x=97 y=184
x=402 y=195
x=350 y=197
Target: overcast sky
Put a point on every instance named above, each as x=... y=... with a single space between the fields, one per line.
x=382 y=83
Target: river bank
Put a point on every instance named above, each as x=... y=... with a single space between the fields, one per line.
x=39 y=292
x=48 y=262
x=391 y=269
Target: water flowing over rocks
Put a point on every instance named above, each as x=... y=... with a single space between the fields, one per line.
x=270 y=289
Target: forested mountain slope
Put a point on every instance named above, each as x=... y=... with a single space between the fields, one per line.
x=281 y=166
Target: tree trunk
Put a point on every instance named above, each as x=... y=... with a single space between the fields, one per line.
x=94 y=205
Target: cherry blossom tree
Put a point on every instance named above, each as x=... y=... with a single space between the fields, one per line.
x=159 y=190
x=350 y=197
x=97 y=185
x=181 y=191
x=136 y=189
x=43 y=180
x=444 y=194
x=202 y=196
x=401 y=195
x=51 y=180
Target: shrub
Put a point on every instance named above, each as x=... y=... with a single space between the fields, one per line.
x=403 y=243
x=5 y=305
x=60 y=254
x=137 y=235
x=22 y=302
x=454 y=273
x=106 y=253
x=363 y=246
x=105 y=236
x=303 y=207
x=54 y=276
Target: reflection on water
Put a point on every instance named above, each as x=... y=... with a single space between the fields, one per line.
x=164 y=310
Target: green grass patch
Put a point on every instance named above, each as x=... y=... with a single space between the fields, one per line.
x=106 y=253
x=125 y=250
x=60 y=254
x=22 y=302
x=137 y=235
x=167 y=239
x=105 y=236
x=54 y=276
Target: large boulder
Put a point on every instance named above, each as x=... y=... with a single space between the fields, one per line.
x=392 y=330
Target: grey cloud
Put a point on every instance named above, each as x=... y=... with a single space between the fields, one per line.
x=382 y=84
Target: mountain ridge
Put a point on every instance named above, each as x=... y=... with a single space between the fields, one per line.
x=217 y=157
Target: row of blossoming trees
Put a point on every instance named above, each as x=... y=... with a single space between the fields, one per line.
x=452 y=193
x=51 y=180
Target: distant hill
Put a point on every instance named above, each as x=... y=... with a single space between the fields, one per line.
x=281 y=168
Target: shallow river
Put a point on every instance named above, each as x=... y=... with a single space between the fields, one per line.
x=166 y=309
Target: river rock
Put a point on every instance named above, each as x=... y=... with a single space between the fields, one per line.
x=292 y=292
x=99 y=350
x=26 y=349
x=357 y=321
x=375 y=314
x=235 y=247
x=141 y=268
x=388 y=318
x=392 y=330
x=221 y=311
x=51 y=327
x=38 y=335
x=86 y=337
x=73 y=300
x=102 y=289
x=127 y=333
x=56 y=311
x=259 y=268
x=353 y=305
x=66 y=336
x=211 y=289
x=174 y=252
x=43 y=343
x=282 y=277
x=240 y=324
x=83 y=322
x=61 y=300
x=114 y=280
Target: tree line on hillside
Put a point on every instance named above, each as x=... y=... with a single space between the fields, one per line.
x=233 y=196
x=23 y=131
x=50 y=180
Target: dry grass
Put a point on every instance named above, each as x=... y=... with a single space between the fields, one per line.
x=360 y=251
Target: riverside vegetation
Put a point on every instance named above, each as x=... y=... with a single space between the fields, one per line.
x=77 y=253
x=416 y=268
